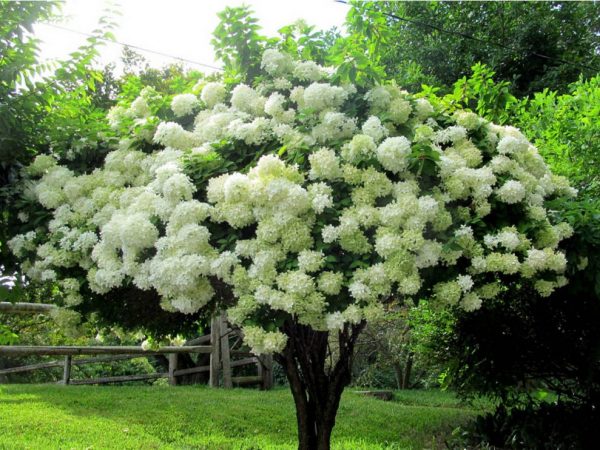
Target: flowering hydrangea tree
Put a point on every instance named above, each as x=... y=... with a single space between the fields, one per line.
x=304 y=208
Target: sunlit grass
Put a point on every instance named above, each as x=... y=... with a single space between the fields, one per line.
x=124 y=417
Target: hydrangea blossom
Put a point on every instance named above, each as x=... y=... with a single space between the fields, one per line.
x=511 y=192
x=321 y=96
x=213 y=93
x=184 y=104
x=276 y=63
x=171 y=134
x=393 y=153
x=330 y=215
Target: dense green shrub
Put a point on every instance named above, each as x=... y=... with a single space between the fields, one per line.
x=519 y=347
x=551 y=426
x=566 y=130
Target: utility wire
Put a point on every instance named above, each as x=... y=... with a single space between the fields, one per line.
x=473 y=38
x=123 y=44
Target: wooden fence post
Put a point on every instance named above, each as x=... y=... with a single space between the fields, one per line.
x=215 y=338
x=67 y=370
x=172 y=369
x=225 y=353
x=267 y=372
x=259 y=368
x=3 y=378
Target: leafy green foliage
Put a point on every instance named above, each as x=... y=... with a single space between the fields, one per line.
x=357 y=56
x=479 y=93
x=302 y=41
x=18 y=49
x=237 y=43
x=531 y=45
x=566 y=129
x=7 y=336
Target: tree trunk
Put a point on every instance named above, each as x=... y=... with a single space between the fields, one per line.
x=398 y=374
x=316 y=385
x=407 y=371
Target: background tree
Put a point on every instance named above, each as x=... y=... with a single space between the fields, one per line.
x=18 y=113
x=384 y=357
x=444 y=39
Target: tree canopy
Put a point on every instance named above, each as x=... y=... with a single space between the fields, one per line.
x=303 y=206
x=533 y=45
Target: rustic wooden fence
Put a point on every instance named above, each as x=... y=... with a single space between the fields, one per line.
x=26 y=308
x=223 y=344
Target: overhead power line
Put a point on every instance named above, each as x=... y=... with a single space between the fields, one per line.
x=473 y=38
x=137 y=47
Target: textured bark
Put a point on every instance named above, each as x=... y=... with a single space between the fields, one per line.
x=398 y=374
x=407 y=371
x=316 y=382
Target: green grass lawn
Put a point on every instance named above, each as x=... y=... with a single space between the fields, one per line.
x=186 y=417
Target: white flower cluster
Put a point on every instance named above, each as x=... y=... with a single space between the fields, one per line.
x=171 y=134
x=213 y=93
x=393 y=154
x=279 y=64
x=262 y=341
x=184 y=104
x=372 y=202
x=138 y=116
x=322 y=96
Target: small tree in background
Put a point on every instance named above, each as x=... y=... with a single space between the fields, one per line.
x=389 y=353
x=533 y=46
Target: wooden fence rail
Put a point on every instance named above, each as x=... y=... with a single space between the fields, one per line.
x=74 y=362
x=120 y=379
x=28 y=350
x=220 y=367
x=26 y=308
